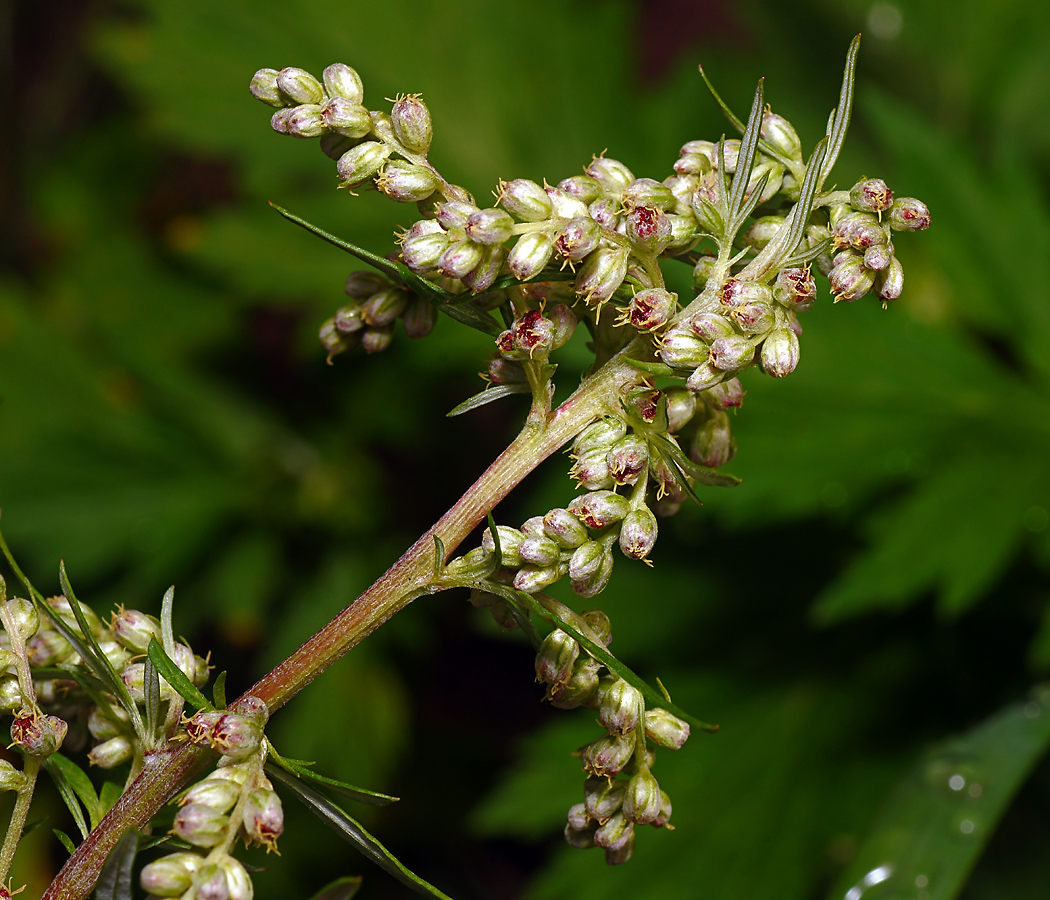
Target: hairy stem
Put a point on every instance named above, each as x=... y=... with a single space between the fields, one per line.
x=165 y=772
x=30 y=768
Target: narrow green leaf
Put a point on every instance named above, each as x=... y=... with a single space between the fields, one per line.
x=65 y=790
x=172 y=674
x=749 y=204
x=340 y=889
x=653 y=368
x=490 y=394
x=167 y=633
x=941 y=815
x=218 y=691
x=300 y=769
x=497 y=556
x=840 y=123
x=115 y=881
x=746 y=158
x=65 y=840
x=98 y=660
x=705 y=476
x=469 y=314
x=352 y=832
x=151 y=688
x=439 y=556
x=79 y=782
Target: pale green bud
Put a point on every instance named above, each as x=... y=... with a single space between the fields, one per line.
x=590 y=568
x=580 y=687
x=665 y=730
x=638 y=533
x=621 y=707
x=583 y=187
x=590 y=468
x=412 y=125
x=362 y=162
x=555 y=658
x=238 y=884
x=731 y=353
x=509 y=540
x=563 y=527
x=300 y=86
x=530 y=579
x=578 y=238
x=200 y=825
x=405 y=182
x=111 y=753
x=306 y=121
x=342 y=81
x=890 y=282
x=218 y=793
x=564 y=205
x=600 y=435
x=616 y=833
x=628 y=458
x=376 y=340
x=613 y=175
x=779 y=132
x=850 y=279
x=384 y=307
x=10 y=778
x=419 y=317
x=263 y=818
x=11 y=698
x=346 y=118
x=714 y=444
x=580 y=838
x=170 y=875
x=525 y=200
x=763 y=230
x=598 y=509
x=134 y=629
x=264 y=88
x=540 y=551
x=648 y=192
x=460 y=257
x=489 y=226
x=601 y=274
x=681 y=348
x=608 y=755
x=24 y=617
x=641 y=801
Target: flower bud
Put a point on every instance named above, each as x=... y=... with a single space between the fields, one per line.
x=564 y=206
x=779 y=132
x=850 y=280
x=170 y=875
x=589 y=569
x=909 y=214
x=200 y=725
x=685 y=231
x=218 y=793
x=306 y=121
x=460 y=257
x=763 y=230
x=583 y=187
x=279 y=120
x=580 y=687
x=890 y=281
x=134 y=629
x=591 y=470
x=714 y=444
x=602 y=797
x=504 y=371
x=342 y=81
x=578 y=238
x=621 y=707
x=711 y=326
x=110 y=754
x=795 y=289
x=613 y=175
x=597 y=509
x=406 y=182
x=580 y=838
x=238 y=884
x=335 y=145
x=104 y=726
x=754 y=317
x=651 y=308
x=529 y=255
x=878 y=256
x=578 y=818
x=210 y=883
x=361 y=162
x=564 y=528
x=419 y=317
x=23 y=616
x=607 y=213
x=236 y=736
x=10 y=778
x=411 y=120
x=199 y=825
x=647 y=192
x=870 y=195
x=346 y=118
x=615 y=833
x=600 y=435
x=540 y=551
x=529 y=579
x=376 y=340
x=601 y=274
x=300 y=86
x=264 y=87
x=489 y=226
x=628 y=458
x=619 y=855
x=422 y=252
x=736 y=293
x=333 y=340
x=665 y=730
x=641 y=801
x=608 y=755
x=681 y=348
x=11 y=698
x=36 y=735
x=509 y=541
x=555 y=658
x=731 y=353
x=648 y=228
x=525 y=200
x=638 y=533
x=263 y=818
x=681 y=407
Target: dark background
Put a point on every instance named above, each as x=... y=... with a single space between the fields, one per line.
x=876 y=584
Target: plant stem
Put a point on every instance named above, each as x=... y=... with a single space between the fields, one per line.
x=165 y=772
x=30 y=768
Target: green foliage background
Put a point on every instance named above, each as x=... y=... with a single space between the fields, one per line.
x=877 y=585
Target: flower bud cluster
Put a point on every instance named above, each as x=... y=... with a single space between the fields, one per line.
x=620 y=791
x=368 y=320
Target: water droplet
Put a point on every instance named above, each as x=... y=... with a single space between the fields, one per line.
x=921 y=881
x=1031 y=710
x=967 y=824
x=957 y=782
x=954 y=776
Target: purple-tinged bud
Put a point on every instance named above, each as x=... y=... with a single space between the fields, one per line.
x=647 y=192
x=460 y=257
x=794 y=324
x=735 y=293
x=590 y=568
x=665 y=811
x=909 y=214
x=608 y=755
x=532 y=527
x=795 y=289
x=781 y=135
x=754 y=318
x=725 y=395
x=850 y=280
x=583 y=187
x=730 y=153
x=693 y=164
x=857 y=229
x=529 y=255
x=484 y=274
x=580 y=687
x=606 y=212
x=104 y=726
x=36 y=735
x=890 y=281
x=200 y=725
x=599 y=625
x=641 y=801
x=454 y=214
x=580 y=838
x=870 y=195
x=405 y=182
x=376 y=340
x=509 y=541
x=525 y=200
x=412 y=125
x=565 y=322
x=651 y=308
x=238 y=884
x=11 y=698
x=279 y=120
x=300 y=86
x=362 y=162
x=489 y=226
x=110 y=754
x=263 y=818
x=419 y=317
x=621 y=707
x=702 y=271
x=253 y=708
x=648 y=227
x=346 y=118
x=218 y=793
x=530 y=579
x=598 y=509
x=199 y=825
x=638 y=533
x=714 y=444
x=210 y=883
x=423 y=251
x=555 y=658
x=602 y=797
x=134 y=629
x=578 y=238
x=600 y=435
x=681 y=188
x=621 y=854
x=684 y=231
x=342 y=81
x=590 y=468
x=540 y=551
x=532 y=333
x=363 y=283
x=578 y=818
x=335 y=145
x=46 y=648
x=306 y=121
x=565 y=529
x=264 y=87
x=665 y=730
x=704 y=148
x=763 y=230
x=236 y=736
x=23 y=617
x=504 y=371
x=628 y=458
x=613 y=175
x=681 y=349
x=731 y=353
x=384 y=307
x=710 y=326
x=615 y=834
x=170 y=876
x=878 y=256
x=564 y=206
x=61 y=606
x=681 y=407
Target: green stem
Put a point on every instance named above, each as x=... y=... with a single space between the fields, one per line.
x=30 y=768
x=411 y=576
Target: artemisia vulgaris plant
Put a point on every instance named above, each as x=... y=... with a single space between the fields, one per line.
x=754 y=217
